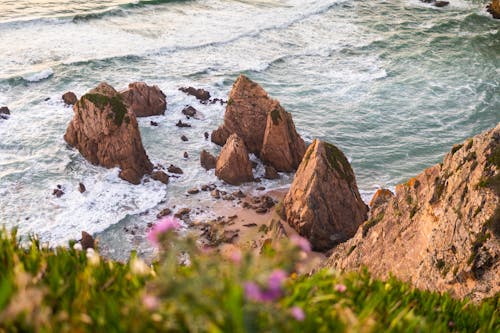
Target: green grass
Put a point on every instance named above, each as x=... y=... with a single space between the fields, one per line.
x=118 y=108
x=65 y=290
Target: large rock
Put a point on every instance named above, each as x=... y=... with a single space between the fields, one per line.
x=4 y=112
x=246 y=114
x=145 y=100
x=323 y=203
x=441 y=230
x=283 y=148
x=69 y=98
x=207 y=160
x=494 y=8
x=105 y=132
x=233 y=165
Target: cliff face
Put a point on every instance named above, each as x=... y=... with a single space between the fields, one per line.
x=441 y=230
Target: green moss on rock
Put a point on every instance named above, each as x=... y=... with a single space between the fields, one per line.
x=118 y=108
x=338 y=162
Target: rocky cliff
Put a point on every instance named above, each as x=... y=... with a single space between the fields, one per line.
x=441 y=229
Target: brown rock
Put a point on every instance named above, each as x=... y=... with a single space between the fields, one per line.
x=174 y=169
x=193 y=191
x=58 y=192
x=381 y=197
x=183 y=212
x=271 y=173
x=215 y=194
x=441 y=230
x=441 y=3
x=145 y=100
x=200 y=94
x=160 y=176
x=106 y=133
x=283 y=148
x=87 y=241
x=69 y=98
x=189 y=111
x=184 y=138
x=181 y=124
x=186 y=155
x=494 y=8
x=323 y=203
x=233 y=165
x=206 y=135
x=82 y=188
x=207 y=160
x=4 y=112
x=246 y=114
x=164 y=212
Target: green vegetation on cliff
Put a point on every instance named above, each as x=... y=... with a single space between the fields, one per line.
x=192 y=290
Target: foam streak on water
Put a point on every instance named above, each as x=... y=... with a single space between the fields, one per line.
x=393 y=83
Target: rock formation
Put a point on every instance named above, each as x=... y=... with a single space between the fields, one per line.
x=323 y=203
x=200 y=94
x=207 y=160
x=145 y=100
x=282 y=148
x=69 y=98
x=105 y=132
x=233 y=165
x=4 y=112
x=494 y=8
x=380 y=197
x=441 y=230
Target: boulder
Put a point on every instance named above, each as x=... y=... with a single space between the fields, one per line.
x=246 y=114
x=323 y=203
x=106 y=133
x=282 y=148
x=69 y=98
x=233 y=165
x=145 y=100
x=494 y=8
x=441 y=229
x=200 y=94
x=207 y=160
x=4 y=112
x=271 y=173
x=175 y=169
x=160 y=176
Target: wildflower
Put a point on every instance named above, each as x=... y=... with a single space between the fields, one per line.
x=341 y=288
x=77 y=247
x=272 y=292
x=252 y=291
x=301 y=243
x=298 y=313
x=163 y=226
x=235 y=256
x=276 y=279
x=150 y=302
x=139 y=267
x=92 y=257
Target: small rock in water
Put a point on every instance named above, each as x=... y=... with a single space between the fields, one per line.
x=441 y=3
x=200 y=94
x=58 y=192
x=207 y=160
x=87 y=241
x=4 y=112
x=260 y=188
x=160 y=176
x=81 y=188
x=239 y=194
x=174 y=169
x=46 y=99
x=189 y=111
x=186 y=155
x=207 y=135
x=69 y=98
x=153 y=123
x=181 y=124
x=215 y=194
x=164 y=212
x=184 y=138
x=271 y=173
x=182 y=212
x=193 y=191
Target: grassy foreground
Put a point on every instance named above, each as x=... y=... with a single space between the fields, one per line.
x=192 y=290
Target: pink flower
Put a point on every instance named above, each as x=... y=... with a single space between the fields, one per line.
x=272 y=292
x=235 y=256
x=340 y=288
x=164 y=225
x=150 y=302
x=276 y=279
x=298 y=313
x=301 y=243
x=252 y=291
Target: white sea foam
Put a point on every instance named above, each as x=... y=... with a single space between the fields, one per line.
x=39 y=76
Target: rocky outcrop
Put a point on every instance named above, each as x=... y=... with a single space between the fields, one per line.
x=323 y=203
x=4 y=112
x=200 y=94
x=380 y=197
x=494 y=8
x=246 y=114
x=207 y=160
x=441 y=230
x=145 y=100
x=105 y=132
x=282 y=148
x=233 y=165
x=69 y=98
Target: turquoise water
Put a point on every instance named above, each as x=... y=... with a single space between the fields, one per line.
x=393 y=83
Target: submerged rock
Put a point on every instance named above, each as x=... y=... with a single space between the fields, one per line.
x=69 y=98
x=441 y=230
x=145 y=100
x=233 y=165
x=323 y=203
x=283 y=148
x=106 y=133
x=207 y=160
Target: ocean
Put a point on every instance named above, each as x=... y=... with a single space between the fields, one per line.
x=393 y=83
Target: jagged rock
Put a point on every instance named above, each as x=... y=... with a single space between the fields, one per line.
x=191 y=112
x=246 y=114
x=206 y=135
x=174 y=169
x=145 y=100
x=153 y=123
x=58 y=192
x=164 y=212
x=233 y=165
x=181 y=124
x=323 y=203
x=441 y=230
x=87 y=241
x=185 y=155
x=106 y=133
x=160 y=176
x=82 y=188
x=4 y=112
x=380 y=197
x=282 y=148
x=494 y=8
x=184 y=138
x=69 y=98
x=200 y=94
x=271 y=173
x=207 y=160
